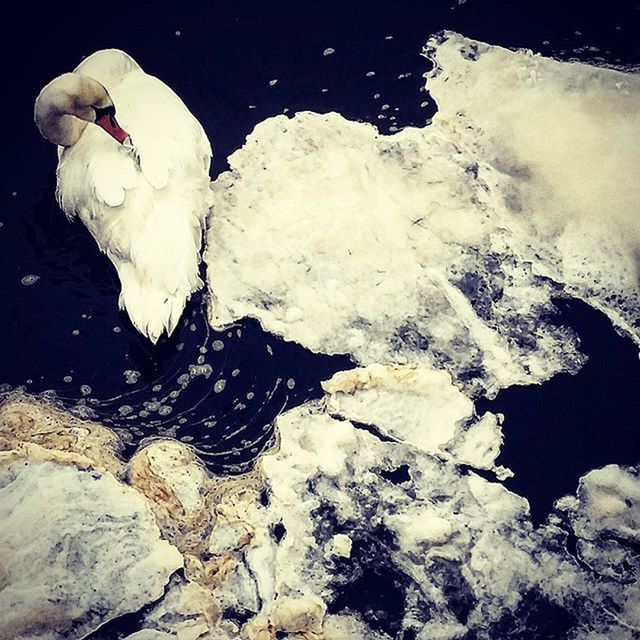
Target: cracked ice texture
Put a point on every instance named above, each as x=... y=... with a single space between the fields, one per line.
x=439 y=552
x=441 y=245
x=77 y=548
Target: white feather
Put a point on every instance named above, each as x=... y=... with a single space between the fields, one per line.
x=145 y=210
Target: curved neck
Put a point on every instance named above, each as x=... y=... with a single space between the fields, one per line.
x=64 y=107
x=63 y=129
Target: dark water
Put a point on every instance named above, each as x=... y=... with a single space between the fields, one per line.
x=64 y=333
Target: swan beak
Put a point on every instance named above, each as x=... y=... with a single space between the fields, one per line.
x=111 y=126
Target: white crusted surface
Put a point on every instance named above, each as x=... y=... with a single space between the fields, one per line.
x=442 y=552
x=77 y=548
x=435 y=245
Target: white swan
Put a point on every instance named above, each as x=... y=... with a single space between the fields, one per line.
x=139 y=184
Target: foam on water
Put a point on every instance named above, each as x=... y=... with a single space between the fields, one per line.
x=444 y=244
x=433 y=257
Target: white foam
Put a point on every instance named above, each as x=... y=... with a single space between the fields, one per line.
x=432 y=256
x=459 y=551
x=441 y=245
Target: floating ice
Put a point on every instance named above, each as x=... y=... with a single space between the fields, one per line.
x=442 y=245
x=432 y=257
x=391 y=542
x=64 y=574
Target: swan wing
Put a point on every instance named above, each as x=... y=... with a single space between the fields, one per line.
x=166 y=136
x=94 y=175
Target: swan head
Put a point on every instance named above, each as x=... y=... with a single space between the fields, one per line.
x=65 y=107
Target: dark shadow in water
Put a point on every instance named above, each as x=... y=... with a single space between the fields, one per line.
x=558 y=431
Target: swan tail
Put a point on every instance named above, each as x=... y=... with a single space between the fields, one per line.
x=153 y=310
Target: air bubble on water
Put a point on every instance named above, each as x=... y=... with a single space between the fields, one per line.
x=324 y=90
x=199 y=370
x=27 y=281
x=217 y=345
x=388 y=37
x=239 y=331
x=131 y=376
x=83 y=412
x=370 y=74
x=183 y=380
x=250 y=395
x=180 y=346
x=235 y=372
x=219 y=386
x=182 y=421
x=200 y=359
x=156 y=388
x=291 y=383
x=210 y=423
x=192 y=327
x=376 y=96
x=67 y=379
x=143 y=414
x=75 y=332
x=85 y=389
x=202 y=349
x=117 y=329
x=269 y=350
x=165 y=410
x=151 y=406
x=178 y=33
x=174 y=394
x=384 y=107
x=328 y=51
x=273 y=82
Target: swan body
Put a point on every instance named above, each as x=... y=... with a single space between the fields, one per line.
x=144 y=198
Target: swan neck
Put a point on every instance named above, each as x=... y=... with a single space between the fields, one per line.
x=65 y=107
